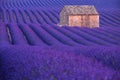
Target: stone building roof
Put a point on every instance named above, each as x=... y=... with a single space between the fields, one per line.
x=80 y=9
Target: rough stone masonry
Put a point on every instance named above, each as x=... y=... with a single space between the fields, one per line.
x=79 y=15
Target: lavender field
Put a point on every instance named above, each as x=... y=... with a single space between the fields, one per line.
x=34 y=47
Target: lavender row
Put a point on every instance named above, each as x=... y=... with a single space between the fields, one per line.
x=74 y=37
x=59 y=36
x=39 y=17
x=31 y=36
x=102 y=37
x=16 y=35
x=111 y=31
x=109 y=21
x=49 y=18
x=46 y=18
x=32 y=17
x=114 y=18
x=57 y=4
x=88 y=36
x=4 y=35
x=44 y=35
x=112 y=37
x=19 y=17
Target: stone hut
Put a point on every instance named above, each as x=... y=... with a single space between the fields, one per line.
x=79 y=15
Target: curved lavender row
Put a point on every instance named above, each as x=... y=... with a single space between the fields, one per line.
x=112 y=18
x=45 y=35
x=36 y=63
x=8 y=16
x=22 y=16
x=78 y=34
x=112 y=32
x=17 y=35
x=56 y=15
x=117 y=30
x=1 y=15
x=45 y=14
x=109 y=18
x=59 y=3
x=26 y=16
x=32 y=17
x=19 y=16
x=5 y=16
x=15 y=16
x=4 y=38
x=32 y=38
x=76 y=38
x=101 y=37
x=109 y=36
x=116 y=18
x=88 y=36
x=51 y=17
x=61 y=37
x=38 y=16
x=45 y=17
x=12 y=16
